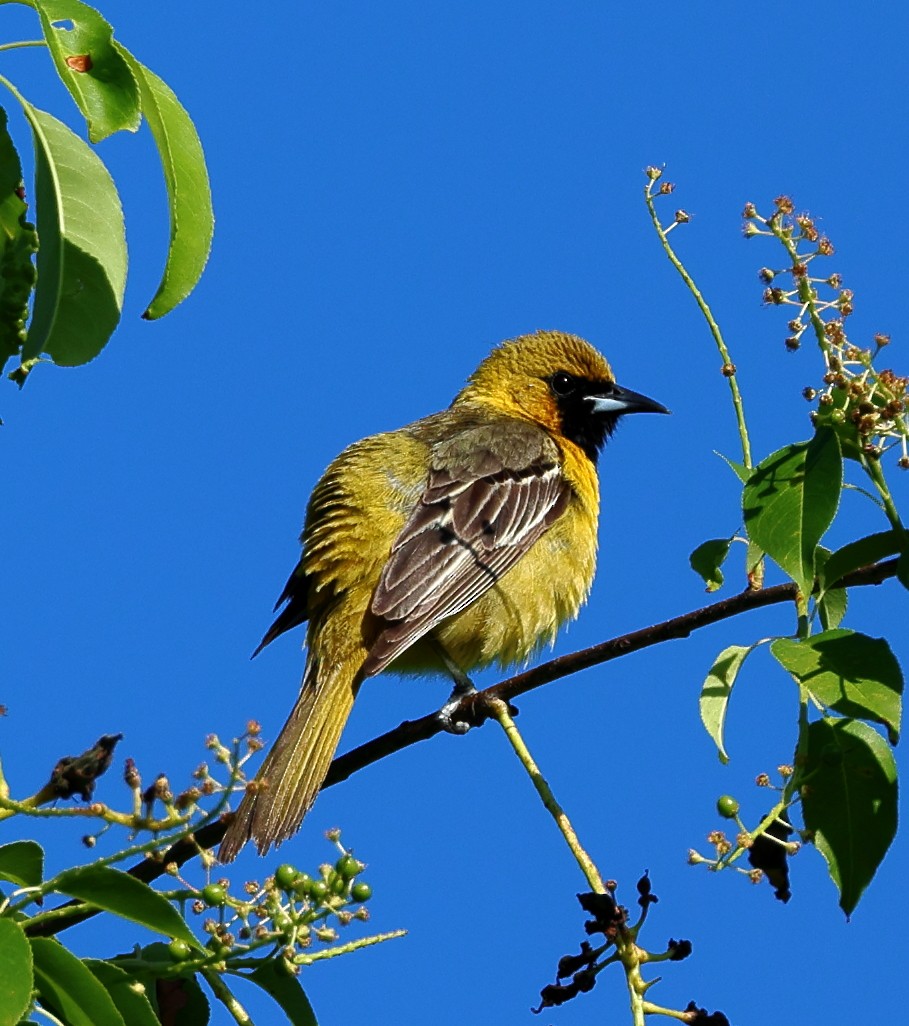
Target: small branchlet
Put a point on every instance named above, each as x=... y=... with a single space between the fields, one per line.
x=767 y=846
x=576 y=973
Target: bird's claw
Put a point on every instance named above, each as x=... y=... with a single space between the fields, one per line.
x=447 y=713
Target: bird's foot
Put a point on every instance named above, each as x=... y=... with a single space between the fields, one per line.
x=463 y=687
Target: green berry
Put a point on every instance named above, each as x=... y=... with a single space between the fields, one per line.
x=285 y=876
x=179 y=950
x=281 y=921
x=348 y=866
x=302 y=884
x=361 y=891
x=214 y=895
x=318 y=890
x=727 y=806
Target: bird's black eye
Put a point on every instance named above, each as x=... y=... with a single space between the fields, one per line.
x=562 y=384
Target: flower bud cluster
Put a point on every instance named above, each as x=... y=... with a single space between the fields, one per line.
x=867 y=407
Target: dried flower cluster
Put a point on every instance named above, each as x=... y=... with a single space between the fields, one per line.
x=867 y=406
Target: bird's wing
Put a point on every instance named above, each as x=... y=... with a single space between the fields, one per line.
x=296 y=595
x=486 y=502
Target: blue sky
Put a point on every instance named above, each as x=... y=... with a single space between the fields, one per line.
x=398 y=186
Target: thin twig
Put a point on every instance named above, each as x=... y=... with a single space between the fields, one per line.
x=500 y=711
x=728 y=365
x=224 y=994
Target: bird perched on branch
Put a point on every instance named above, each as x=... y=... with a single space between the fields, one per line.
x=464 y=539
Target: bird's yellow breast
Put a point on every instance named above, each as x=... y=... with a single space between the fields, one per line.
x=358 y=510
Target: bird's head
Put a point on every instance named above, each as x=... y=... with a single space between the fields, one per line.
x=559 y=381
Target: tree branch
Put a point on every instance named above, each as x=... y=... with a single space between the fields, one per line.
x=474 y=708
x=471 y=707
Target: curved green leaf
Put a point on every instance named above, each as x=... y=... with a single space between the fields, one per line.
x=832 y=607
x=22 y=862
x=18 y=242
x=90 y=66
x=180 y=1001
x=286 y=991
x=188 y=193
x=716 y=691
x=849 y=801
x=739 y=469
x=69 y=989
x=862 y=552
x=16 y=977
x=82 y=254
x=707 y=559
x=831 y=603
x=790 y=501
x=848 y=672
x=126 y=992
x=125 y=896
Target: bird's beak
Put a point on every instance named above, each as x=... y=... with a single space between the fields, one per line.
x=622 y=400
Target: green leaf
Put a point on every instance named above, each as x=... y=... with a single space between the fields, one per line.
x=739 y=469
x=125 y=896
x=707 y=559
x=82 y=256
x=188 y=193
x=864 y=551
x=178 y=1000
x=22 y=862
x=182 y=1002
x=126 y=992
x=69 y=989
x=90 y=66
x=18 y=243
x=848 y=672
x=753 y=557
x=902 y=569
x=849 y=801
x=716 y=691
x=286 y=991
x=832 y=607
x=790 y=501
x=16 y=977
x=832 y=604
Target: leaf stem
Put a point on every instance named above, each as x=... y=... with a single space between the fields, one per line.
x=873 y=469
x=22 y=43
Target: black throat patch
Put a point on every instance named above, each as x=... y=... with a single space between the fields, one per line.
x=580 y=424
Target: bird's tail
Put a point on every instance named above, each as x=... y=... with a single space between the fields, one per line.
x=296 y=766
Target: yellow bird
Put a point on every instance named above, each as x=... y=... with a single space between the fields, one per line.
x=464 y=539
